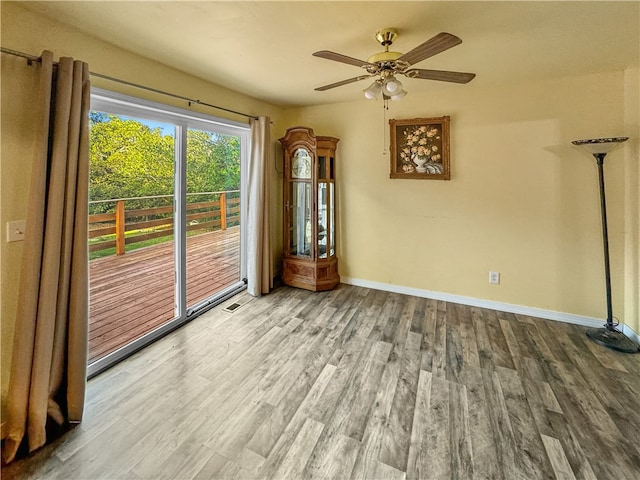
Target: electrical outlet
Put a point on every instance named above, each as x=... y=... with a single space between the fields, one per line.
x=494 y=277
x=15 y=230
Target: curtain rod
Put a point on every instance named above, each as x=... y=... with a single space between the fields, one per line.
x=33 y=58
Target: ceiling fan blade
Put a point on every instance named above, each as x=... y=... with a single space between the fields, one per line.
x=441 y=75
x=441 y=42
x=338 y=57
x=343 y=82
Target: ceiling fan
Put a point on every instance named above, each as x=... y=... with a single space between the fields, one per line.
x=387 y=65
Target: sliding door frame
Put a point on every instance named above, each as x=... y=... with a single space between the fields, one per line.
x=119 y=104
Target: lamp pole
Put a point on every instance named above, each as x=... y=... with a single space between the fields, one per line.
x=605 y=238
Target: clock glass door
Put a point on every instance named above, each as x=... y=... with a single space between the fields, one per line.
x=300 y=220
x=300 y=199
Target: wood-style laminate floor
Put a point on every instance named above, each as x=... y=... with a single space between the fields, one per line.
x=357 y=384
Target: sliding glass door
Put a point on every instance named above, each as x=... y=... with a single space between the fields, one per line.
x=132 y=261
x=166 y=220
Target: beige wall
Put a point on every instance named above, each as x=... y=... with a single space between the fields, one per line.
x=15 y=168
x=23 y=31
x=522 y=200
x=632 y=200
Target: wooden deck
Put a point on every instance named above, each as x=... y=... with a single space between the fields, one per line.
x=131 y=294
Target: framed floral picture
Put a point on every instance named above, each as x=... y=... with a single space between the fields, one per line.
x=420 y=148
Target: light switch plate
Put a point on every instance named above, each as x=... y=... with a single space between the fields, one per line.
x=15 y=230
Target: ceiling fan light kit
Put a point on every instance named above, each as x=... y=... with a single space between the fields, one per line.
x=385 y=66
x=390 y=87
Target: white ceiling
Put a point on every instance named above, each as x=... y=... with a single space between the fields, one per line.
x=263 y=49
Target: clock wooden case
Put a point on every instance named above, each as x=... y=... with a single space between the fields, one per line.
x=310 y=260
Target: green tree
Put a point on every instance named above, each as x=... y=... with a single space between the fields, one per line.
x=130 y=159
x=213 y=162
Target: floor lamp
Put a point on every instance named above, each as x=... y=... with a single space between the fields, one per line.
x=609 y=336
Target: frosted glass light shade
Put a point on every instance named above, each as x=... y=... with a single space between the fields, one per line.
x=600 y=145
x=373 y=90
x=398 y=95
x=392 y=86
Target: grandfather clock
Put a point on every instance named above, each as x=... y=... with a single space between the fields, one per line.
x=309 y=210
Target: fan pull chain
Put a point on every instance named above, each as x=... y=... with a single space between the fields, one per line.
x=385 y=143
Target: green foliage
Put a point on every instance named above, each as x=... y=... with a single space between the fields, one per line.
x=130 y=159
x=213 y=162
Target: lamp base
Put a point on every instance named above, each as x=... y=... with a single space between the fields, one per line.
x=613 y=339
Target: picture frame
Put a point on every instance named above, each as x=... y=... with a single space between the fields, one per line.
x=420 y=148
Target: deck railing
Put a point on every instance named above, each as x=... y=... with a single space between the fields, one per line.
x=119 y=226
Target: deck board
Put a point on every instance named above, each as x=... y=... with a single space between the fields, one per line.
x=131 y=294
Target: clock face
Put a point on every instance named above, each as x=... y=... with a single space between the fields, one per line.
x=301 y=164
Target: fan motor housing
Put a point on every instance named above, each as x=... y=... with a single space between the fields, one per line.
x=384 y=57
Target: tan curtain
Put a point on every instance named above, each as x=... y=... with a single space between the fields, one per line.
x=48 y=369
x=259 y=261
